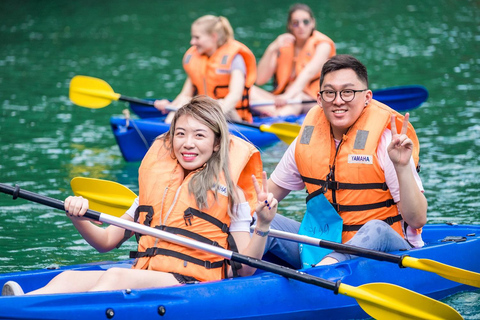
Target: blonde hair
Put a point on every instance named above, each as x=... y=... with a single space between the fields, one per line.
x=219 y=25
x=207 y=111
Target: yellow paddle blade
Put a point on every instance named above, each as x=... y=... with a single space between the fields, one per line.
x=285 y=131
x=104 y=196
x=388 y=301
x=451 y=273
x=91 y=92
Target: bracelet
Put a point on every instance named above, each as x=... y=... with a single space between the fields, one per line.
x=262 y=233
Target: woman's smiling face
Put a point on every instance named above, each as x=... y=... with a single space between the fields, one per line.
x=204 y=42
x=193 y=143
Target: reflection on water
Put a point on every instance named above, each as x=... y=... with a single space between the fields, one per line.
x=137 y=48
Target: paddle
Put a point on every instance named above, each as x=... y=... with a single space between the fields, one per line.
x=104 y=196
x=110 y=194
x=90 y=92
x=400 y=98
x=379 y=300
x=452 y=273
x=262 y=103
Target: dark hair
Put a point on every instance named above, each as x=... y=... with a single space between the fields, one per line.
x=345 y=61
x=296 y=7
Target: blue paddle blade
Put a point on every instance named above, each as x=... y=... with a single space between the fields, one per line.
x=402 y=98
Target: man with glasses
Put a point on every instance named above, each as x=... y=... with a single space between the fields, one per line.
x=361 y=155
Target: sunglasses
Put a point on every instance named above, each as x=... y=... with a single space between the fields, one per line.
x=296 y=23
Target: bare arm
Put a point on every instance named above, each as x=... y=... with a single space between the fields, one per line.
x=322 y=52
x=183 y=97
x=278 y=192
x=268 y=63
x=235 y=93
x=102 y=239
x=412 y=204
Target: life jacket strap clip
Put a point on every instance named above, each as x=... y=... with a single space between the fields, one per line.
x=150 y=252
x=225 y=228
x=188 y=216
x=336 y=206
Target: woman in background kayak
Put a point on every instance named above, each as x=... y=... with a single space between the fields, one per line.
x=217 y=66
x=294 y=60
x=188 y=186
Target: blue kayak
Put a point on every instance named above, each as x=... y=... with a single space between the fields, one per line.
x=400 y=98
x=262 y=296
x=135 y=136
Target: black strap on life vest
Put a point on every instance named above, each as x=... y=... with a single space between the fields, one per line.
x=362 y=207
x=245 y=102
x=150 y=252
x=335 y=185
x=188 y=216
x=356 y=227
x=148 y=219
x=190 y=213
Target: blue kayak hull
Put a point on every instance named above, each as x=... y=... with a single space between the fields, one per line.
x=262 y=296
x=135 y=138
x=137 y=135
x=400 y=98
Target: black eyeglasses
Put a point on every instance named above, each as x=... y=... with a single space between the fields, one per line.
x=296 y=23
x=346 y=95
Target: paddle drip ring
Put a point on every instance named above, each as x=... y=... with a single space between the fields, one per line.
x=16 y=192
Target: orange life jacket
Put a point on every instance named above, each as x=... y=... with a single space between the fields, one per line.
x=211 y=75
x=165 y=203
x=286 y=61
x=350 y=174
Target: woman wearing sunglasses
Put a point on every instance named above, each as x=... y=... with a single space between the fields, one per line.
x=294 y=60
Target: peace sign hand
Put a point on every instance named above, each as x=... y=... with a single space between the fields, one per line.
x=267 y=204
x=401 y=148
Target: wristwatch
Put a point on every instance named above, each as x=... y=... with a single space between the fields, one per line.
x=262 y=233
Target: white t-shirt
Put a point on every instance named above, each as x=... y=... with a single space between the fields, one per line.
x=239 y=222
x=286 y=176
x=238 y=63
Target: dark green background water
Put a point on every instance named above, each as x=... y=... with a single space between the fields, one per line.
x=137 y=47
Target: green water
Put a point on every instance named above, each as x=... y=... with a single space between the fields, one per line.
x=137 y=46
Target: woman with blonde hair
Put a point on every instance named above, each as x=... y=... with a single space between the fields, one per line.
x=217 y=66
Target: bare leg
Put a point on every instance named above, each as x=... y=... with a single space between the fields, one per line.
x=120 y=278
x=112 y=279
x=258 y=94
x=299 y=108
x=70 y=281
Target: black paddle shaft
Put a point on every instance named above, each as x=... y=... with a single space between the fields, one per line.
x=136 y=100
x=16 y=192
x=362 y=252
x=151 y=102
